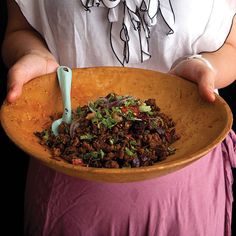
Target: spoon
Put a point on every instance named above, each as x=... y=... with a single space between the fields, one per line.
x=64 y=76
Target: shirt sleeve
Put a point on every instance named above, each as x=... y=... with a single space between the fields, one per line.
x=218 y=26
x=36 y=16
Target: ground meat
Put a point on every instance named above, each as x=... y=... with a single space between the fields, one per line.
x=114 y=132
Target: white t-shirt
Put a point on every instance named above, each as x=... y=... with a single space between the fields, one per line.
x=129 y=32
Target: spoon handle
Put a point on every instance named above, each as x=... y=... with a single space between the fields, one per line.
x=65 y=78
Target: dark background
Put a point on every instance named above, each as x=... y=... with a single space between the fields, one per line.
x=13 y=178
x=13 y=163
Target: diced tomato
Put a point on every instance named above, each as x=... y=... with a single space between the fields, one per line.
x=77 y=162
x=134 y=109
x=124 y=109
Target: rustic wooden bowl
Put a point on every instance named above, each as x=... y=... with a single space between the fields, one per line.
x=201 y=125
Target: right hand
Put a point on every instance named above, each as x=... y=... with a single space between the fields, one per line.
x=197 y=71
x=25 y=69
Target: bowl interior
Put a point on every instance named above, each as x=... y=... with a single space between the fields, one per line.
x=201 y=125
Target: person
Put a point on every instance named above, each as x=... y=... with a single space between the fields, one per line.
x=192 y=39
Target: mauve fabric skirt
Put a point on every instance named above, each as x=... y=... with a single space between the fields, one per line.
x=194 y=201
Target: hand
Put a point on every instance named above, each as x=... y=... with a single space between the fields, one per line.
x=25 y=69
x=198 y=72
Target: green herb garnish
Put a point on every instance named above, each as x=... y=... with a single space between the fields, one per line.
x=87 y=137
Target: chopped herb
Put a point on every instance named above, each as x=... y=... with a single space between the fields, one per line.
x=46 y=135
x=87 y=137
x=116 y=110
x=109 y=122
x=101 y=153
x=144 y=108
x=111 y=97
x=171 y=150
x=79 y=111
x=91 y=155
x=133 y=143
x=92 y=107
x=130 y=102
x=111 y=141
x=128 y=152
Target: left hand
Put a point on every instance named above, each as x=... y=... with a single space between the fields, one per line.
x=25 y=69
x=198 y=72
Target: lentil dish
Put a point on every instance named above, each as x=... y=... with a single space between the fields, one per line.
x=113 y=132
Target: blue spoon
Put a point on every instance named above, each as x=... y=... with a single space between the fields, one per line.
x=64 y=76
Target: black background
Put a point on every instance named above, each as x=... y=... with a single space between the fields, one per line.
x=14 y=163
x=13 y=178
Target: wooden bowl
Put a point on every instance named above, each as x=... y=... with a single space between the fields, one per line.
x=201 y=125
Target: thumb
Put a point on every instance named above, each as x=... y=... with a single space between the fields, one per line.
x=206 y=87
x=27 y=68
x=14 y=92
x=198 y=72
x=14 y=85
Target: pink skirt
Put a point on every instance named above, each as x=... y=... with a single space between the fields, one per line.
x=196 y=200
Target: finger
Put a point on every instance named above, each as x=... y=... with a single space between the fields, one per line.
x=14 y=92
x=15 y=84
x=198 y=72
x=24 y=70
x=206 y=87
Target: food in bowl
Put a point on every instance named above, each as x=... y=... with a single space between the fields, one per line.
x=113 y=132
